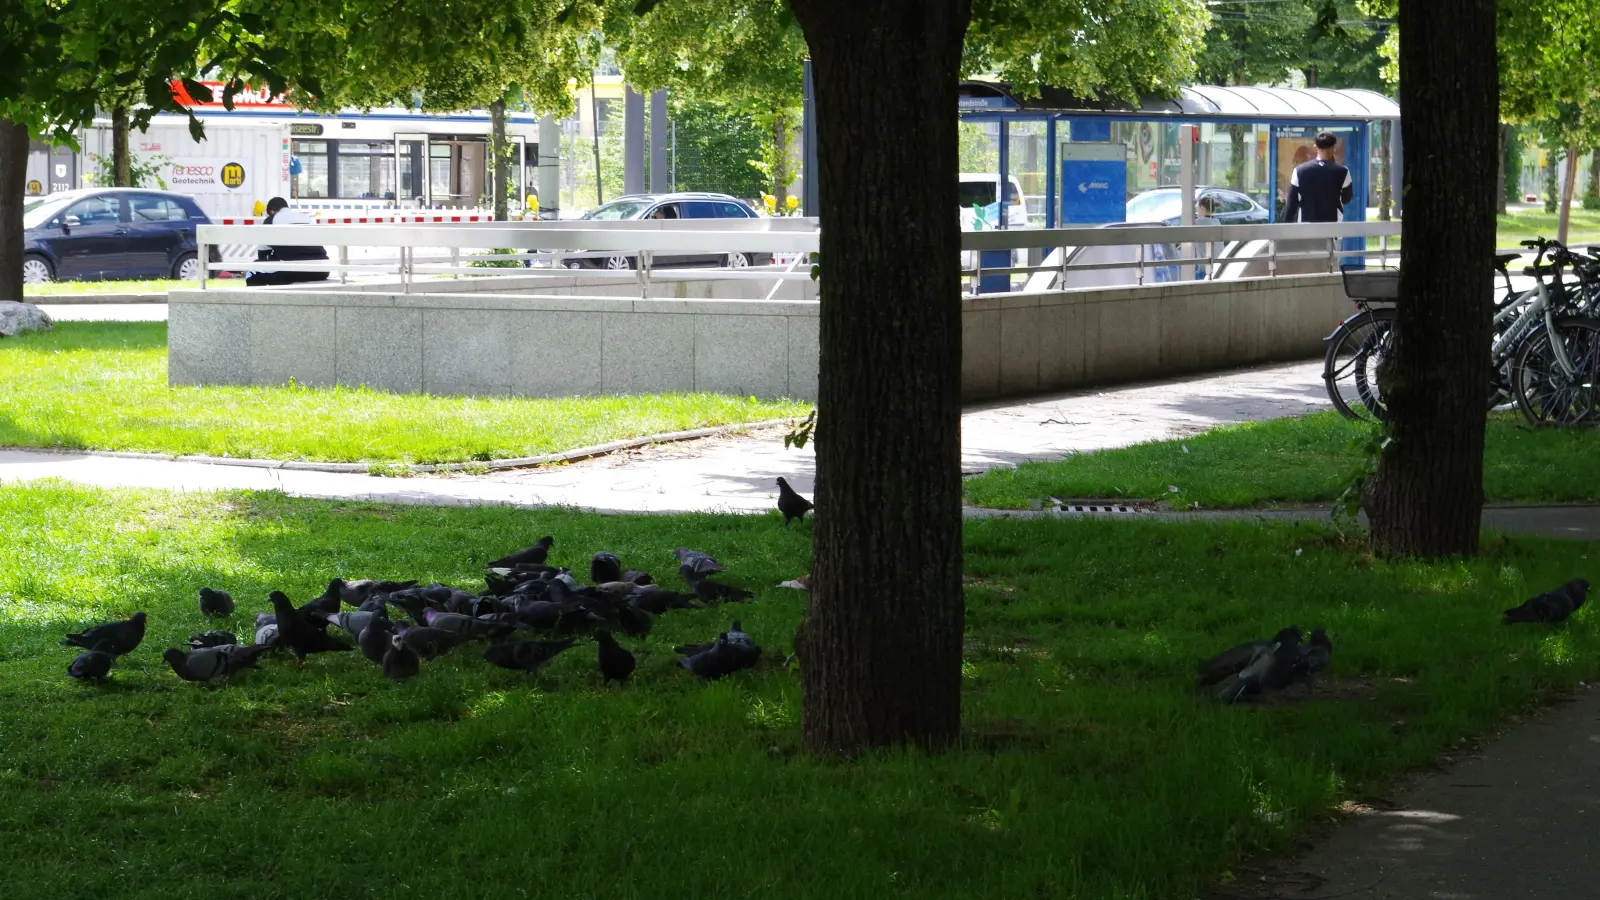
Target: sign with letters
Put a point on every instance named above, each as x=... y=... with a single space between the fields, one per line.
x=1094 y=183
x=199 y=175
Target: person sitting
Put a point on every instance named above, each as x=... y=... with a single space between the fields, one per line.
x=665 y=212
x=279 y=212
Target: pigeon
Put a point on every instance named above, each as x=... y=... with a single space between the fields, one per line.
x=400 y=661
x=695 y=562
x=356 y=593
x=1314 y=657
x=1230 y=662
x=215 y=603
x=634 y=621
x=466 y=627
x=119 y=637
x=95 y=665
x=265 y=619
x=352 y=622
x=212 y=663
x=605 y=567
x=527 y=656
x=302 y=635
x=616 y=664
x=799 y=644
x=374 y=639
x=637 y=577
x=430 y=643
x=1270 y=668
x=329 y=602
x=737 y=636
x=1550 y=606
x=792 y=505
x=722 y=658
x=803 y=583
x=716 y=592
x=267 y=635
x=657 y=600
x=212 y=639
x=535 y=554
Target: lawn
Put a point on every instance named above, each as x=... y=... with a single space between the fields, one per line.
x=103 y=386
x=1090 y=767
x=1526 y=224
x=73 y=288
x=1294 y=460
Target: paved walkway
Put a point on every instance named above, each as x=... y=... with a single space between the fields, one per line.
x=738 y=473
x=1510 y=823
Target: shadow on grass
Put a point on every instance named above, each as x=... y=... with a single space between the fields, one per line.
x=75 y=336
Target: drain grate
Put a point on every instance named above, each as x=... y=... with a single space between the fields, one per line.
x=1100 y=507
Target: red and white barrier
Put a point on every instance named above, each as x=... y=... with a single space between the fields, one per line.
x=372 y=220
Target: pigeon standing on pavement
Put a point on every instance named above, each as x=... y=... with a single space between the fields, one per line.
x=1550 y=606
x=400 y=662
x=791 y=504
x=91 y=665
x=120 y=638
x=535 y=554
x=616 y=664
x=215 y=603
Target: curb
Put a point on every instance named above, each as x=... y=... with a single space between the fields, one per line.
x=94 y=299
x=407 y=469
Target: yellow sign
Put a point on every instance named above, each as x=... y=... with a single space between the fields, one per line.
x=233 y=175
x=35 y=188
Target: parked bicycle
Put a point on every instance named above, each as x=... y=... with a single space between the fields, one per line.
x=1545 y=348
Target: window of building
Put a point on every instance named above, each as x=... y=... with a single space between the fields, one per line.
x=365 y=171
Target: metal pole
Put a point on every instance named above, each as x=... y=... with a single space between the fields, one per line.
x=658 y=143
x=810 y=196
x=203 y=253
x=549 y=168
x=632 y=141
x=344 y=260
x=1186 y=173
x=594 y=103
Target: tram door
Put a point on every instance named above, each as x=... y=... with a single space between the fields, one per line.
x=411 y=171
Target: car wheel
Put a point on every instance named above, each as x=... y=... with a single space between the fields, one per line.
x=737 y=261
x=36 y=270
x=187 y=268
x=618 y=262
x=574 y=265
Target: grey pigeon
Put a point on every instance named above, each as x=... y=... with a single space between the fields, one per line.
x=352 y=622
x=355 y=593
x=535 y=555
x=1314 y=657
x=693 y=561
x=330 y=601
x=604 y=567
x=91 y=665
x=466 y=626
x=711 y=591
x=1269 y=669
x=636 y=577
x=1230 y=662
x=400 y=661
x=212 y=663
x=1550 y=606
x=616 y=664
x=429 y=642
x=526 y=656
x=267 y=635
x=722 y=658
x=791 y=504
x=212 y=639
x=374 y=639
x=119 y=637
x=264 y=619
x=301 y=634
x=215 y=603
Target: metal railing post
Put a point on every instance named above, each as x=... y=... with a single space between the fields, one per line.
x=1272 y=258
x=203 y=253
x=455 y=263
x=344 y=260
x=1141 y=263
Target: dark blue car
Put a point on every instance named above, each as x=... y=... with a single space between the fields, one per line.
x=110 y=233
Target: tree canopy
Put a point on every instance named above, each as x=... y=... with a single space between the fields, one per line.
x=1332 y=43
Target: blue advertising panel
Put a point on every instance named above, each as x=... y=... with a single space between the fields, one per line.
x=1093 y=191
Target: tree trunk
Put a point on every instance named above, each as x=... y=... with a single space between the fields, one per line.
x=1566 y=194
x=1552 y=181
x=1500 y=179
x=1311 y=76
x=1236 y=159
x=780 y=157
x=13 y=182
x=500 y=167
x=1385 y=171
x=883 y=664
x=121 y=162
x=1426 y=499
x=1591 y=194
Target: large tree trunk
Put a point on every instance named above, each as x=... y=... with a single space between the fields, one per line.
x=121 y=162
x=1385 y=171
x=1566 y=194
x=500 y=154
x=1236 y=157
x=882 y=661
x=13 y=182
x=1500 y=179
x=1426 y=499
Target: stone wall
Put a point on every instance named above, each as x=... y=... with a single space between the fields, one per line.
x=470 y=341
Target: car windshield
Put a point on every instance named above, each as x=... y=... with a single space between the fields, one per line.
x=618 y=209
x=975 y=193
x=40 y=210
x=1154 y=206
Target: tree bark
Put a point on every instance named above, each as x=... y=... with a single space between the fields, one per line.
x=1236 y=160
x=1591 y=195
x=1500 y=178
x=13 y=182
x=1385 y=171
x=500 y=154
x=884 y=624
x=121 y=162
x=1566 y=194
x=1426 y=499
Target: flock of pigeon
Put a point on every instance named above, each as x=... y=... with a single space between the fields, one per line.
x=1262 y=667
x=524 y=594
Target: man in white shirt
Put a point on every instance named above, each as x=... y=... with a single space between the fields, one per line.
x=279 y=212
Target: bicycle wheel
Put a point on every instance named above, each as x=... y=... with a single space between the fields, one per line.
x=1350 y=368
x=1545 y=390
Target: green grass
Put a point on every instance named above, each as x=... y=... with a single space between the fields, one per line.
x=103 y=386
x=70 y=288
x=1090 y=768
x=1526 y=224
x=1294 y=460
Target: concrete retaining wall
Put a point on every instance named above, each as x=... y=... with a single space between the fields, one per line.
x=473 y=342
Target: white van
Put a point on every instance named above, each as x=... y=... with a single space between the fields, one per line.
x=981 y=190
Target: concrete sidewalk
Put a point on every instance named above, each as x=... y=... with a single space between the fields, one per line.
x=1510 y=823
x=738 y=473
